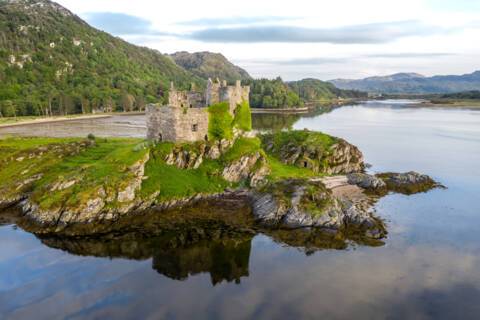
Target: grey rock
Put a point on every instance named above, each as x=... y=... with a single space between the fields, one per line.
x=367 y=181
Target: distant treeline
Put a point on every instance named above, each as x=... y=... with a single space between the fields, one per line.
x=462 y=95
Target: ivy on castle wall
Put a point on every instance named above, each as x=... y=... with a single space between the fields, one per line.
x=243 y=117
x=220 y=122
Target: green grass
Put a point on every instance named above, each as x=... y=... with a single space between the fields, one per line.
x=105 y=165
x=242 y=147
x=13 y=171
x=300 y=137
x=175 y=183
x=280 y=171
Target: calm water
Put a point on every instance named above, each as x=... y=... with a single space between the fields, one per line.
x=429 y=267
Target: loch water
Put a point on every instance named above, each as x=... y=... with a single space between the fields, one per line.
x=428 y=268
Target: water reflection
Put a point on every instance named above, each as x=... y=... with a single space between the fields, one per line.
x=176 y=255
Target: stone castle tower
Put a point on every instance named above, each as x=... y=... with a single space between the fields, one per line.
x=185 y=118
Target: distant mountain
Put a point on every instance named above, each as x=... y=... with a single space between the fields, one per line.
x=210 y=65
x=412 y=83
x=51 y=60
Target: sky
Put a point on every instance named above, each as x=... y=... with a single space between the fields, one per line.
x=303 y=38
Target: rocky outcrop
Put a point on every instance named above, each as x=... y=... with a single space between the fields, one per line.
x=315 y=151
x=367 y=182
x=343 y=157
x=406 y=183
x=252 y=167
x=96 y=206
x=409 y=182
x=296 y=204
x=192 y=156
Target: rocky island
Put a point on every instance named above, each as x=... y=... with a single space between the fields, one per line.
x=288 y=184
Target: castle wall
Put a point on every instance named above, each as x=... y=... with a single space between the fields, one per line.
x=185 y=99
x=165 y=123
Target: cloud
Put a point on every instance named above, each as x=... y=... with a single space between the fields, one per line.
x=408 y=55
x=295 y=61
x=208 y=22
x=357 y=34
x=121 y=24
x=316 y=61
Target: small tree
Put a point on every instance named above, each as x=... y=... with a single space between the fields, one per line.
x=127 y=102
x=8 y=109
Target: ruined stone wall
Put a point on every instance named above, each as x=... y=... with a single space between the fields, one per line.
x=165 y=123
x=235 y=95
x=185 y=99
x=212 y=95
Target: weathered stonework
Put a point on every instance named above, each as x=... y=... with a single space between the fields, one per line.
x=185 y=118
x=165 y=123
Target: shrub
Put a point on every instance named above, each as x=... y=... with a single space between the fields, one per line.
x=91 y=136
x=243 y=117
x=220 y=122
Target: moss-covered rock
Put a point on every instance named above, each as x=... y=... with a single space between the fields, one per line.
x=321 y=153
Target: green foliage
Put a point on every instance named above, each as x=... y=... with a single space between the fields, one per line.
x=243 y=117
x=475 y=94
x=275 y=93
x=64 y=66
x=220 y=122
x=315 y=90
x=7 y=109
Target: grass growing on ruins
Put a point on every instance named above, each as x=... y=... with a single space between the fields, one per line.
x=220 y=122
x=243 y=117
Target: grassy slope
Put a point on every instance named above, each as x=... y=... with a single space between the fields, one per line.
x=106 y=164
x=103 y=165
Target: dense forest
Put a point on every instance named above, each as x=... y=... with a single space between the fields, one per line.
x=275 y=93
x=314 y=90
x=52 y=62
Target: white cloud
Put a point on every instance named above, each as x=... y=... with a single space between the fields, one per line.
x=438 y=42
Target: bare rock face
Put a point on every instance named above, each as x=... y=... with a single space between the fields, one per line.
x=344 y=157
x=368 y=182
x=249 y=167
x=293 y=204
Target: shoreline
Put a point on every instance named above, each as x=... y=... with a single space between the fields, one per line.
x=51 y=120
x=69 y=118
x=429 y=104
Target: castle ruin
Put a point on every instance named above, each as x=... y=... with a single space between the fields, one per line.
x=185 y=118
